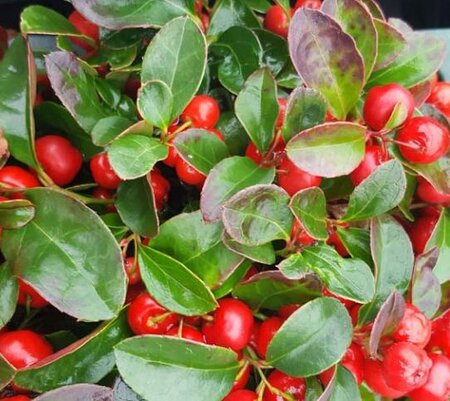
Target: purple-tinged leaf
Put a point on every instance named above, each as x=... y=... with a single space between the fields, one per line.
x=426 y=289
x=421 y=92
x=78 y=392
x=327 y=59
x=389 y=316
x=124 y=393
x=391 y=43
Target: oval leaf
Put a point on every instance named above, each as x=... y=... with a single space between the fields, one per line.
x=109 y=128
x=180 y=370
x=78 y=392
x=326 y=59
x=71 y=274
x=357 y=242
x=343 y=387
x=321 y=327
x=264 y=254
x=391 y=43
x=8 y=297
x=15 y=213
x=328 y=150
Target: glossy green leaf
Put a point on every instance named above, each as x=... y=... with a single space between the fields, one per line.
x=17 y=74
x=259 y=5
x=86 y=361
x=271 y=290
x=422 y=57
x=109 y=128
x=262 y=254
x=344 y=387
x=231 y=13
x=116 y=225
x=306 y=108
x=233 y=132
x=180 y=370
x=133 y=156
x=233 y=279
x=71 y=274
x=357 y=242
x=258 y=215
x=201 y=149
x=117 y=58
x=155 y=104
x=196 y=244
x=15 y=213
x=356 y=21
x=393 y=257
x=377 y=194
x=228 y=178
x=288 y=77
x=405 y=204
x=173 y=285
x=136 y=206
x=239 y=52
x=177 y=57
x=257 y=108
x=441 y=239
x=320 y=327
x=78 y=392
x=76 y=89
x=337 y=188
x=327 y=59
x=310 y=207
x=8 y=297
x=6 y=373
x=275 y=50
x=391 y=43
x=132 y=13
x=328 y=150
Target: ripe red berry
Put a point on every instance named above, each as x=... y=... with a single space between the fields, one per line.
x=346 y=302
x=373 y=375
x=188 y=174
x=437 y=387
x=286 y=311
x=294 y=386
x=28 y=294
x=132 y=270
x=335 y=241
x=302 y=238
x=187 y=332
x=242 y=378
x=217 y=133
x=282 y=102
x=252 y=152
x=277 y=21
x=353 y=360
x=440 y=334
x=266 y=332
x=326 y=376
x=146 y=316
x=59 y=158
x=17 y=177
x=420 y=232
x=86 y=27
x=428 y=193
x=16 y=398
x=440 y=97
x=406 y=366
x=103 y=173
x=292 y=179
x=23 y=348
x=241 y=395
x=232 y=325
x=172 y=157
x=161 y=188
x=254 y=335
x=423 y=140
x=414 y=327
x=314 y=4
x=203 y=111
x=381 y=102
x=375 y=156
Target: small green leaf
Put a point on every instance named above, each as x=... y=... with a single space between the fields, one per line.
x=320 y=327
x=177 y=57
x=275 y=50
x=309 y=206
x=377 y=194
x=15 y=213
x=235 y=136
x=405 y=204
x=258 y=215
x=173 y=285
x=262 y=254
x=391 y=43
x=136 y=206
x=201 y=149
x=257 y=108
x=357 y=242
x=7 y=373
x=232 y=280
x=441 y=239
x=8 y=297
x=328 y=150
x=155 y=103
x=109 y=128
x=133 y=156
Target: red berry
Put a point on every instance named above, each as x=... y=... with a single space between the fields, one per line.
x=252 y=152
x=103 y=173
x=59 y=158
x=282 y=102
x=241 y=395
x=172 y=157
x=346 y=302
x=242 y=378
x=406 y=366
x=292 y=179
x=353 y=360
x=187 y=332
x=86 y=27
x=232 y=326
x=375 y=156
x=266 y=332
x=326 y=376
x=28 y=294
x=314 y=4
x=294 y=386
x=286 y=311
x=23 y=348
x=414 y=327
x=132 y=270
x=217 y=133
x=420 y=232
x=203 y=112
x=440 y=334
x=16 y=398
x=373 y=375
x=335 y=241
x=423 y=140
x=146 y=316
x=437 y=387
x=428 y=193
x=161 y=188
x=381 y=102
x=277 y=21
x=131 y=87
x=17 y=177
x=440 y=97
x=254 y=335
x=188 y=174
